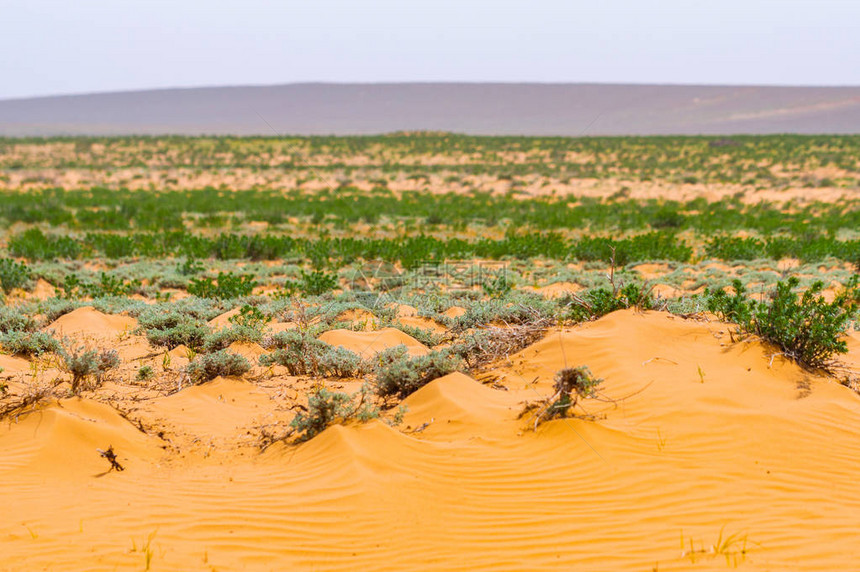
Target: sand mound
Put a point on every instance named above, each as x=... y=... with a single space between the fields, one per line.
x=223 y=321
x=43 y=290
x=696 y=438
x=89 y=322
x=62 y=439
x=405 y=310
x=277 y=327
x=366 y=344
x=423 y=323
x=454 y=400
x=202 y=415
x=250 y=351
x=454 y=312
x=558 y=289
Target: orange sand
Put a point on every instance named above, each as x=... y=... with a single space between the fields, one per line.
x=703 y=436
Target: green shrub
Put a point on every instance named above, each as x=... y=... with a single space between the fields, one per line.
x=249 y=317
x=226 y=286
x=313 y=283
x=209 y=366
x=397 y=373
x=806 y=328
x=33 y=244
x=222 y=338
x=29 y=343
x=598 y=302
x=144 y=373
x=13 y=275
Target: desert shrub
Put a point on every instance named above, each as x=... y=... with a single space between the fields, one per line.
x=806 y=327
x=337 y=361
x=397 y=373
x=169 y=327
x=425 y=336
x=250 y=317
x=144 y=373
x=519 y=310
x=222 y=338
x=12 y=320
x=209 y=366
x=83 y=364
x=570 y=385
x=29 y=343
x=302 y=354
x=488 y=345
x=226 y=286
x=13 y=275
x=327 y=408
x=313 y=283
x=188 y=333
x=598 y=302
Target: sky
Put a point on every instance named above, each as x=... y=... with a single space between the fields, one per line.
x=84 y=46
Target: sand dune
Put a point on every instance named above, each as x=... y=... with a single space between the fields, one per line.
x=695 y=437
x=366 y=344
x=477 y=108
x=89 y=322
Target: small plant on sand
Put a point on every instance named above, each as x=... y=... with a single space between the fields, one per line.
x=84 y=364
x=327 y=408
x=733 y=547
x=598 y=302
x=805 y=327
x=209 y=366
x=399 y=374
x=571 y=384
x=249 y=317
x=145 y=373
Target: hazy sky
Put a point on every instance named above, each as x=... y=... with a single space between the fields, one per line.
x=75 y=46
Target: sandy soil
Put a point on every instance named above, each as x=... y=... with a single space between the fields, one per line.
x=694 y=439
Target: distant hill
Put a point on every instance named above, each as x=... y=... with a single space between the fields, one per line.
x=479 y=108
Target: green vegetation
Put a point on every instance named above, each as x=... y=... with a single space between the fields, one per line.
x=209 y=366
x=84 y=364
x=397 y=373
x=805 y=327
x=13 y=275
